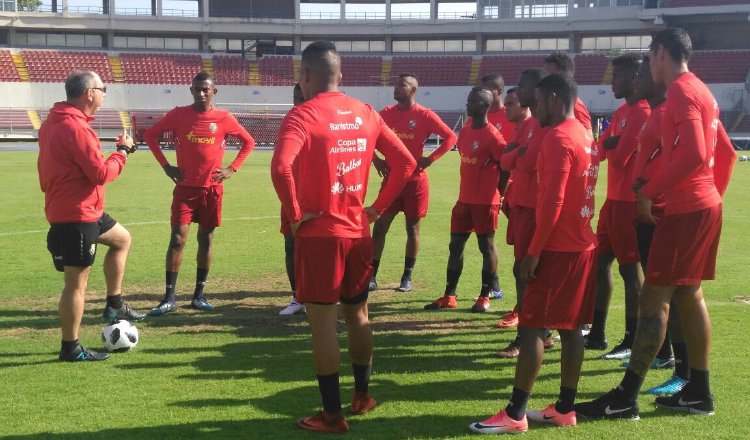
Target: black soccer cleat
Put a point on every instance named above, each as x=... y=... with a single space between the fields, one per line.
x=620 y=351
x=703 y=406
x=112 y=315
x=608 y=406
x=405 y=285
x=80 y=354
x=163 y=308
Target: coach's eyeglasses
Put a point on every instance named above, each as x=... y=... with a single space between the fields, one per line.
x=103 y=89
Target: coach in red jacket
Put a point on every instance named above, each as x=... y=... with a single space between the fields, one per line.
x=72 y=174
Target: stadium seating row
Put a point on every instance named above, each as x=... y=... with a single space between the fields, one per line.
x=687 y=3
x=726 y=66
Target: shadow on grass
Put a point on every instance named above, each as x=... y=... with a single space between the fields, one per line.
x=367 y=427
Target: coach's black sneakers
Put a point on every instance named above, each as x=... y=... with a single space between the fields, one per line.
x=703 y=406
x=82 y=354
x=593 y=342
x=163 y=308
x=112 y=315
x=405 y=285
x=608 y=406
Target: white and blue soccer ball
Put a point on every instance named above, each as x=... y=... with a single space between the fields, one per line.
x=120 y=336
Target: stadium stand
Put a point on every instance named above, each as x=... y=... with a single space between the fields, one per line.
x=452 y=119
x=55 y=65
x=434 y=70
x=721 y=66
x=15 y=119
x=150 y=68
x=509 y=66
x=590 y=68
x=689 y=3
x=276 y=70
x=361 y=70
x=230 y=70
x=8 y=70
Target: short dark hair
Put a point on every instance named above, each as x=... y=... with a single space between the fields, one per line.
x=511 y=90
x=676 y=41
x=297 y=88
x=204 y=76
x=494 y=78
x=628 y=60
x=563 y=61
x=408 y=75
x=315 y=58
x=78 y=81
x=534 y=74
x=561 y=85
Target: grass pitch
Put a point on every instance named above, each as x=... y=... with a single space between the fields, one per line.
x=242 y=371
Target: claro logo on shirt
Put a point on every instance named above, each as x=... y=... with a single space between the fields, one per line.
x=191 y=137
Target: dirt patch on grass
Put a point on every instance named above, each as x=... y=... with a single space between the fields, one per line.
x=743 y=299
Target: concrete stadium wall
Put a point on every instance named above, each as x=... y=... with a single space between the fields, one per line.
x=41 y=96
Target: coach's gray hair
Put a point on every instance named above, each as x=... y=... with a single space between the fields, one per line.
x=78 y=82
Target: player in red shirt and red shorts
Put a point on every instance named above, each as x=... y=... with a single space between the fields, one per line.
x=523 y=195
x=294 y=306
x=559 y=267
x=200 y=131
x=615 y=230
x=72 y=174
x=413 y=124
x=481 y=146
x=686 y=238
x=334 y=137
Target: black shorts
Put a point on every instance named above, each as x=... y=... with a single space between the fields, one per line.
x=74 y=244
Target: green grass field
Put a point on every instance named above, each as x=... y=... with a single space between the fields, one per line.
x=242 y=371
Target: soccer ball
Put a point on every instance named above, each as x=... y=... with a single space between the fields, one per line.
x=120 y=336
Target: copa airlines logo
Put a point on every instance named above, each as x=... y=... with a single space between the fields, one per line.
x=592 y=171
x=344 y=168
x=358 y=145
x=339 y=126
x=191 y=137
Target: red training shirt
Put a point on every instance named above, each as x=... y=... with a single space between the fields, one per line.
x=525 y=171
x=481 y=150
x=72 y=168
x=626 y=123
x=334 y=137
x=414 y=126
x=724 y=158
x=582 y=114
x=200 y=143
x=689 y=131
x=568 y=168
x=648 y=158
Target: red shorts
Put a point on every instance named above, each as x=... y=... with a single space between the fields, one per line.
x=332 y=269
x=683 y=250
x=191 y=204
x=286 y=227
x=564 y=293
x=524 y=224
x=481 y=219
x=414 y=199
x=615 y=231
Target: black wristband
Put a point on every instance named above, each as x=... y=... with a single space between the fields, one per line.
x=124 y=149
